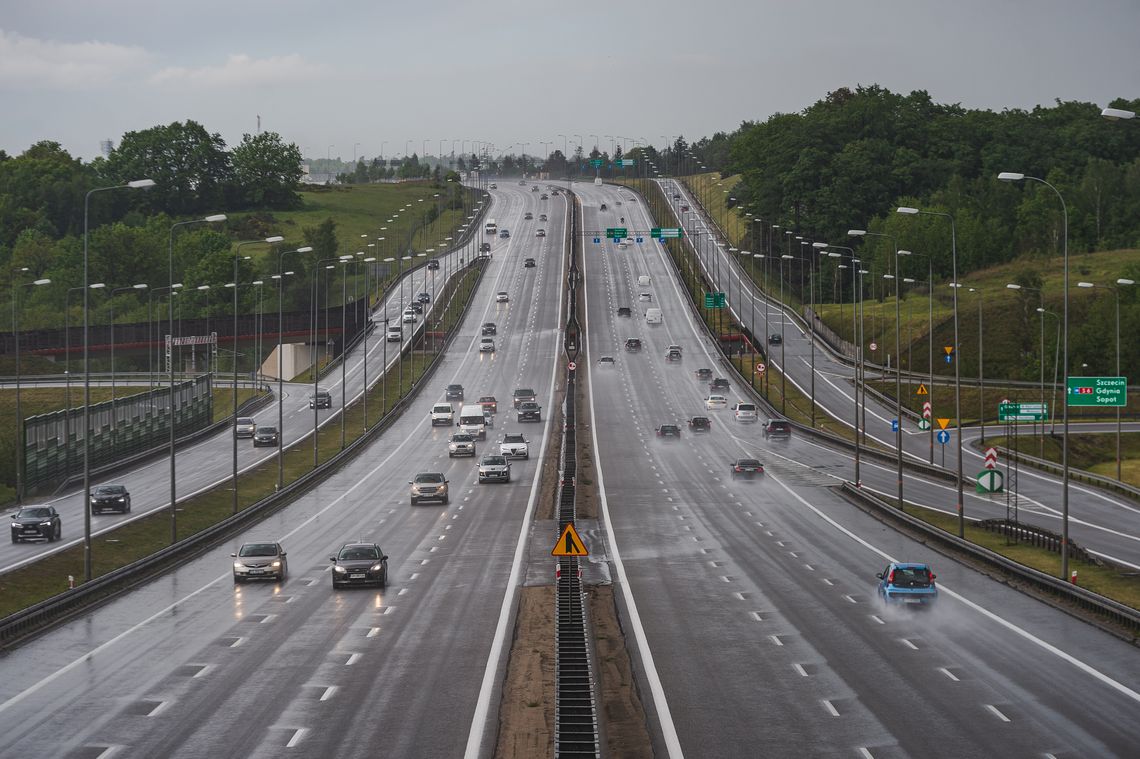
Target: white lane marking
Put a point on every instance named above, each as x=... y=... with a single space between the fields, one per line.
x=352 y=659
x=829 y=582
x=160 y=707
x=756 y=615
x=850 y=599
x=997 y=712
x=1023 y=633
x=329 y=691
x=800 y=668
x=402 y=591
x=656 y=689
x=949 y=674
x=268 y=618
x=298 y=736
x=372 y=632
x=908 y=644
x=505 y=622
x=865 y=753
x=830 y=708
x=205 y=668
x=809 y=567
x=877 y=619
x=776 y=639
x=237 y=642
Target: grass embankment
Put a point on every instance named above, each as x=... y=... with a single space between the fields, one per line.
x=135 y=540
x=1119 y=585
x=1093 y=453
x=713 y=193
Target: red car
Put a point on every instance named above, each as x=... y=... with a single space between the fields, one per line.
x=488 y=402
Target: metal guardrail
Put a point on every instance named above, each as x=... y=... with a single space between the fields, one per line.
x=15 y=627
x=1120 y=616
x=575 y=705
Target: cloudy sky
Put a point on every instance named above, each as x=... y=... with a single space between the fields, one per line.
x=365 y=77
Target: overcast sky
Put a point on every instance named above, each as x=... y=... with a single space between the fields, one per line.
x=367 y=76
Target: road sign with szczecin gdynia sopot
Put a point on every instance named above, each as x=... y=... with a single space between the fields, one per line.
x=1022 y=412
x=1098 y=391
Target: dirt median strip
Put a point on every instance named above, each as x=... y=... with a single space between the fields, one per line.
x=526 y=714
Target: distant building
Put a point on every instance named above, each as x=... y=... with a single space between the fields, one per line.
x=105 y=147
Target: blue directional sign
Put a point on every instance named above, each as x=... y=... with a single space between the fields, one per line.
x=894 y=425
x=640 y=240
x=943 y=437
x=949 y=360
x=597 y=241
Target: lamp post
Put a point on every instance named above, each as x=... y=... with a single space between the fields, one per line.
x=280 y=277
x=1118 y=114
x=1116 y=292
x=1009 y=176
x=929 y=337
x=957 y=372
x=67 y=370
x=1041 y=363
x=136 y=184
x=368 y=317
x=16 y=288
x=856 y=341
x=783 y=366
x=898 y=348
x=111 y=303
x=981 y=366
x=1056 y=355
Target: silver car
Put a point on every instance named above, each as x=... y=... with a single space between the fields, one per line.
x=494 y=469
x=461 y=444
x=245 y=427
x=429 y=486
x=260 y=561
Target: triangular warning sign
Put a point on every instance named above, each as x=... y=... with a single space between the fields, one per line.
x=569 y=544
x=922 y=390
x=942 y=422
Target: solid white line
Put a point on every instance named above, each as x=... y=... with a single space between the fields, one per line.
x=776 y=639
x=997 y=713
x=268 y=618
x=298 y=736
x=1025 y=634
x=329 y=691
x=161 y=706
x=830 y=708
x=237 y=642
x=908 y=644
x=800 y=668
x=949 y=674
x=353 y=659
x=372 y=632
x=865 y=753
x=878 y=619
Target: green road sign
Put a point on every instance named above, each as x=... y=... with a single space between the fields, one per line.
x=924 y=424
x=1097 y=391
x=617 y=233
x=990 y=481
x=627 y=162
x=714 y=300
x=661 y=233
x=597 y=163
x=1023 y=412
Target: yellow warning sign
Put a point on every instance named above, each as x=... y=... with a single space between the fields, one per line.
x=948 y=348
x=922 y=390
x=942 y=422
x=569 y=544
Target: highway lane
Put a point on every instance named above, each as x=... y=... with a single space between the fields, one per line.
x=757 y=597
x=1099 y=520
x=209 y=462
x=191 y=666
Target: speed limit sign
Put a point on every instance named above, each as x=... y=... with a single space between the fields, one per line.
x=874 y=346
x=571 y=366
x=760 y=368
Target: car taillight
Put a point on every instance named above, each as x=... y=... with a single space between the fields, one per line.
x=891 y=577
x=739 y=469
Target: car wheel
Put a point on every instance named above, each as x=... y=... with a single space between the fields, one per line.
x=59 y=532
x=445 y=500
x=413 y=501
x=15 y=539
x=237 y=580
x=383 y=583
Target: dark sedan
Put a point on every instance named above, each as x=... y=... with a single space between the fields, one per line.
x=746 y=468
x=719 y=384
x=359 y=564
x=669 y=430
x=454 y=393
x=265 y=435
x=110 y=498
x=529 y=411
x=775 y=339
x=489 y=328
x=704 y=374
x=700 y=424
x=33 y=522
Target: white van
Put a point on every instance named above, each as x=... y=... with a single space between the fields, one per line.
x=472 y=421
x=652 y=316
x=442 y=413
x=643 y=280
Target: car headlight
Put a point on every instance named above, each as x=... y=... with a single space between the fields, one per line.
x=276 y=564
x=377 y=567
x=122 y=498
x=45 y=523
x=15 y=525
x=239 y=565
x=339 y=569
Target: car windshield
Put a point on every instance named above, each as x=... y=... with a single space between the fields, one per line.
x=745 y=407
x=455 y=387
x=443 y=408
x=751 y=463
x=358 y=553
x=34 y=513
x=461 y=437
x=258 y=549
x=267 y=430
x=431 y=476
x=512 y=438
x=911 y=577
x=494 y=460
x=110 y=490
x=244 y=420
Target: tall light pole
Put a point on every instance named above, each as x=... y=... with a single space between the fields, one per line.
x=111 y=303
x=136 y=184
x=67 y=363
x=981 y=367
x=1116 y=292
x=16 y=288
x=1041 y=362
x=957 y=372
x=856 y=341
x=929 y=338
x=280 y=277
x=898 y=348
x=1010 y=176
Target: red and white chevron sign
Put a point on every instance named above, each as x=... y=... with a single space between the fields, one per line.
x=991 y=458
x=926 y=410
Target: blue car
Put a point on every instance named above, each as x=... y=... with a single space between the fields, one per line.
x=908 y=584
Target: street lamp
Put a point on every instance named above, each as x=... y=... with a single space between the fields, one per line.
x=929 y=337
x=1118 y=114
x=280 y=277
x=898 y=349
x=136 y=184
x=16 y=288
x=981 y=367
x=957 y=372
x=1041 y=367
x=111 y=303
x=1011 y=176
x=1115 y=291
x=67 y=369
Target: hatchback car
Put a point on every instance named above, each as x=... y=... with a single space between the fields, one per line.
x=33 y=522
x=606 y=361
x=704 y=374
x=409 y=315
x=544 y=196
x=624 y=311
x=529 y=263
x=430 y=486
x=603 y=207
x=320 y=399
x=669 y=430
x=260 y=561
x=489 y=403
x=777 y=428
x=245 y=426
x=632 y=344
x=266 y=435
x=528 y=216
x=416 y=306
x=746 y=468
x=486 y=345
x=442 y=414
x=359 y=564
x=454 y=392
x=433 y=265
x=502 y=297
x=542 y=217
x=715 y=402
x=672 y=355
x=645 y=297
x=494 y=469
x=700 y=424
x=110 y=498
x=485 y=247
x=394 y=334
x=908 y=584
x=504 y=234
x=489 y=328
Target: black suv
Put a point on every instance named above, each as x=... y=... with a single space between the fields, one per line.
x=359 y=564
x=775 y=339
x=719 y=384
x=624 y=311
x=700 y=424
x=489 y=328
x=36 y=522
x=433 y=265
x=633 y=344
x=454 y=392
x=529 y=411
x=110 y=498
x=524 y=395
x=320 y=399
x=485 y=247
x=528 y=263
x=777 y=428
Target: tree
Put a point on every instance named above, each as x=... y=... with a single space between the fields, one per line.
x=267 y=170
x=190 y=167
